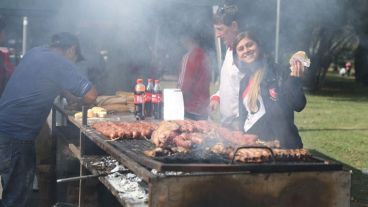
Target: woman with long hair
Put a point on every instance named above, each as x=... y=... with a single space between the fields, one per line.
x=268 y=95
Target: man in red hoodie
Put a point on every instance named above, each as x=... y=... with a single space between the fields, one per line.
x=6 y=67
x=194 y=79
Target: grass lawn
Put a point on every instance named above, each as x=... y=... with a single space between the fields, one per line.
x=335 y=124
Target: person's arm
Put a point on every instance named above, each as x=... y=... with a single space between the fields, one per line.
x=70 y=80
x=215 y=101
x=295 y=94
x=293 y=87
x=90 y=96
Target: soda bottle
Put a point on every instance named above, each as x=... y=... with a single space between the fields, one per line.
x=139 y=91
x=157 y=100
x=148 y=98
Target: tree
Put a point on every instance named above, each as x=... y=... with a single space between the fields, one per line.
x=327 y=44
x=357 y=12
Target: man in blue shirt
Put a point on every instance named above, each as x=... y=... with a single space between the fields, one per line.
x=43 y=74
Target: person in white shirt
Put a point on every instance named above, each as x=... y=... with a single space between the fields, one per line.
x=226 y=27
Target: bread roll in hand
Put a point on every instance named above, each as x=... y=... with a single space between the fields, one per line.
x=298 y=62
x=300 y=56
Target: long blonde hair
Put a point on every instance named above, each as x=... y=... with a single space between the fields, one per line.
x=255 y=89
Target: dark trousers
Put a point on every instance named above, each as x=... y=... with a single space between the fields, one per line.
x=17 y=169
x=196 y=117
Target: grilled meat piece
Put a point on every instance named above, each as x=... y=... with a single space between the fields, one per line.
x=185 y=125
x=190 y=126
x=292 y=153
x=218 y=148
x=236 y=137
x=165 y=133
x=109 y=129
x=130 y=130
x=183 y=133
x=180 y=150
x=183 y=140
x=205 y=126
x=263 y=155
x=157 y=152
x=198 y=138
x=251 y=155
x=270 y=144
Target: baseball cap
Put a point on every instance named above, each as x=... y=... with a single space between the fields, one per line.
x=66 y=40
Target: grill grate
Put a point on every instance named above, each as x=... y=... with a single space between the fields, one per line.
x=138 y=146
x=196 y=155
x=134 y=149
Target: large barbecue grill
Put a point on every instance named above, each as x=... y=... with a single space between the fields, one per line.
x=202 y=178
x=199 y=161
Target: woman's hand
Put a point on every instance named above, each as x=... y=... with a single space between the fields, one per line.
x=297 y=68
x=298 y=62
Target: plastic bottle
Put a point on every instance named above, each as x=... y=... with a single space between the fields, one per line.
x=157 y=100
x=148 y=99
x=139 y=99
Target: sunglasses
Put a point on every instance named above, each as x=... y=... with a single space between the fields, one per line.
x=227 y=9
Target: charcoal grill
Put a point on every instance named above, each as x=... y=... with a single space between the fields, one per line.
x=196 y=161
x=212 y=180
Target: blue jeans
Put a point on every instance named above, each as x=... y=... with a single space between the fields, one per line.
x=17 y=169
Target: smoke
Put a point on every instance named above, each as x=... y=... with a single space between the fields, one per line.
x=116 y=38
x=140 y=39
x=297 y=21
x=131 y=39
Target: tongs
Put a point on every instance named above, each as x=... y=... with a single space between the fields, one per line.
x=118 y=169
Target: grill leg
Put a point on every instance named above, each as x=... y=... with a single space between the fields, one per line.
x=81 y=188
x=82 y=172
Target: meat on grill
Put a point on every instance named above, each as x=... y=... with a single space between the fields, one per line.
x=158 y=151
x=187 y=133
x=236 y=137
x=183 y=140
x=269 y=144
x=165 y=133
x=181 y=136
x=190 y=126
x=220 y=148
x=263 y=155
x=182 y=133
x=129 y=130
x=188 y=140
